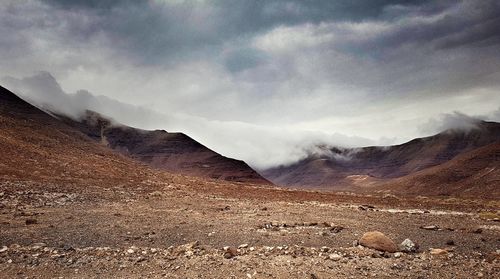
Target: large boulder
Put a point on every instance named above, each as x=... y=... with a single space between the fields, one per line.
x=378 y=241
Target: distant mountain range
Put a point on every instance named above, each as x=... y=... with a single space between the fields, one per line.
x=440 y=164
x=94 y=148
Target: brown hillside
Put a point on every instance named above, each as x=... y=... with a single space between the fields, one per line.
x=173 y=152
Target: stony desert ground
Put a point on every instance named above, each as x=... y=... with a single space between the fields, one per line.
x=182 y=227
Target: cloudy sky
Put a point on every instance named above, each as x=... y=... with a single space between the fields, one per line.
x=260 y=80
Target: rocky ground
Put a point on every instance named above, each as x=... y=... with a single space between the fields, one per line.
x=188 y=228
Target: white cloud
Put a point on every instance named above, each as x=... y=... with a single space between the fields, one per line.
x=256 y=84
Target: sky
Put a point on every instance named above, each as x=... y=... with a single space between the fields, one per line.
x=261 y=81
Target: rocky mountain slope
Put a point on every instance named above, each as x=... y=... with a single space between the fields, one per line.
x=173 y=152
x=34 y=144
x=371 y=166
x=475 y=174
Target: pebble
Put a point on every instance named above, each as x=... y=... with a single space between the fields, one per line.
x=437 y=251
x=335 y=257
x=31 y=221
x=230 y=252
x=408 y=246
x=430 y=228
x=3 y=249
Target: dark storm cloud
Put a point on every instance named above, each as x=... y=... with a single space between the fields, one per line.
x=273 y=71
x=162 y=31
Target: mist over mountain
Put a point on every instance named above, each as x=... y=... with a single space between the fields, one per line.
x=263 y=80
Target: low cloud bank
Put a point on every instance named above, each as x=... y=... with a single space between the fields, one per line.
x=260 y=146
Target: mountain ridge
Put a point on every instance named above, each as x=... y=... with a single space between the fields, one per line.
x=347 y=169
x=173 y=152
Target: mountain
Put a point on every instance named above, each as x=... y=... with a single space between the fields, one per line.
x=173 y=152
x=365 y=167
x=474 y=174
x=35 y=146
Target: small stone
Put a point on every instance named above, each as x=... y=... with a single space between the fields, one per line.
x=408 y=246
x=335 y=257
x=397 y=255
x=336 y=229
x=438 y=252
x=3 y=249
x=130 y=251
x=324 y=249
x=31 y=221
x=450 y=242
x=230 y=252
x=480 y=275
x=377 y=255
x=430 y=228
x=378 y=241
x=243 y=246
x=478 y=231
x=39 y=245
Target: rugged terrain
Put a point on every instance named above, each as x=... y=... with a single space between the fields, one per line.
x=72 y=208
x=418 y=164
x=173 y=152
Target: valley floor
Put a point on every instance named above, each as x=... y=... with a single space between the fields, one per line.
x=192 y=229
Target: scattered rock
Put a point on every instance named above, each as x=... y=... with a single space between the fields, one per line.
x=3 y=249
x=438 y=252
x=335 y=257
x=491 y=257
x=478 y=231
x=430 y=228
x=31 y=221
x=408 y=246
x=243 y=246
x=230 y=252
x=378 y=241
x=450 y=242
x=377 y=255
x=336 y=229
x=397 y=255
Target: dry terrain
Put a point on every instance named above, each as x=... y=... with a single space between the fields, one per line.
x=71 y=208
x=179 y=228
